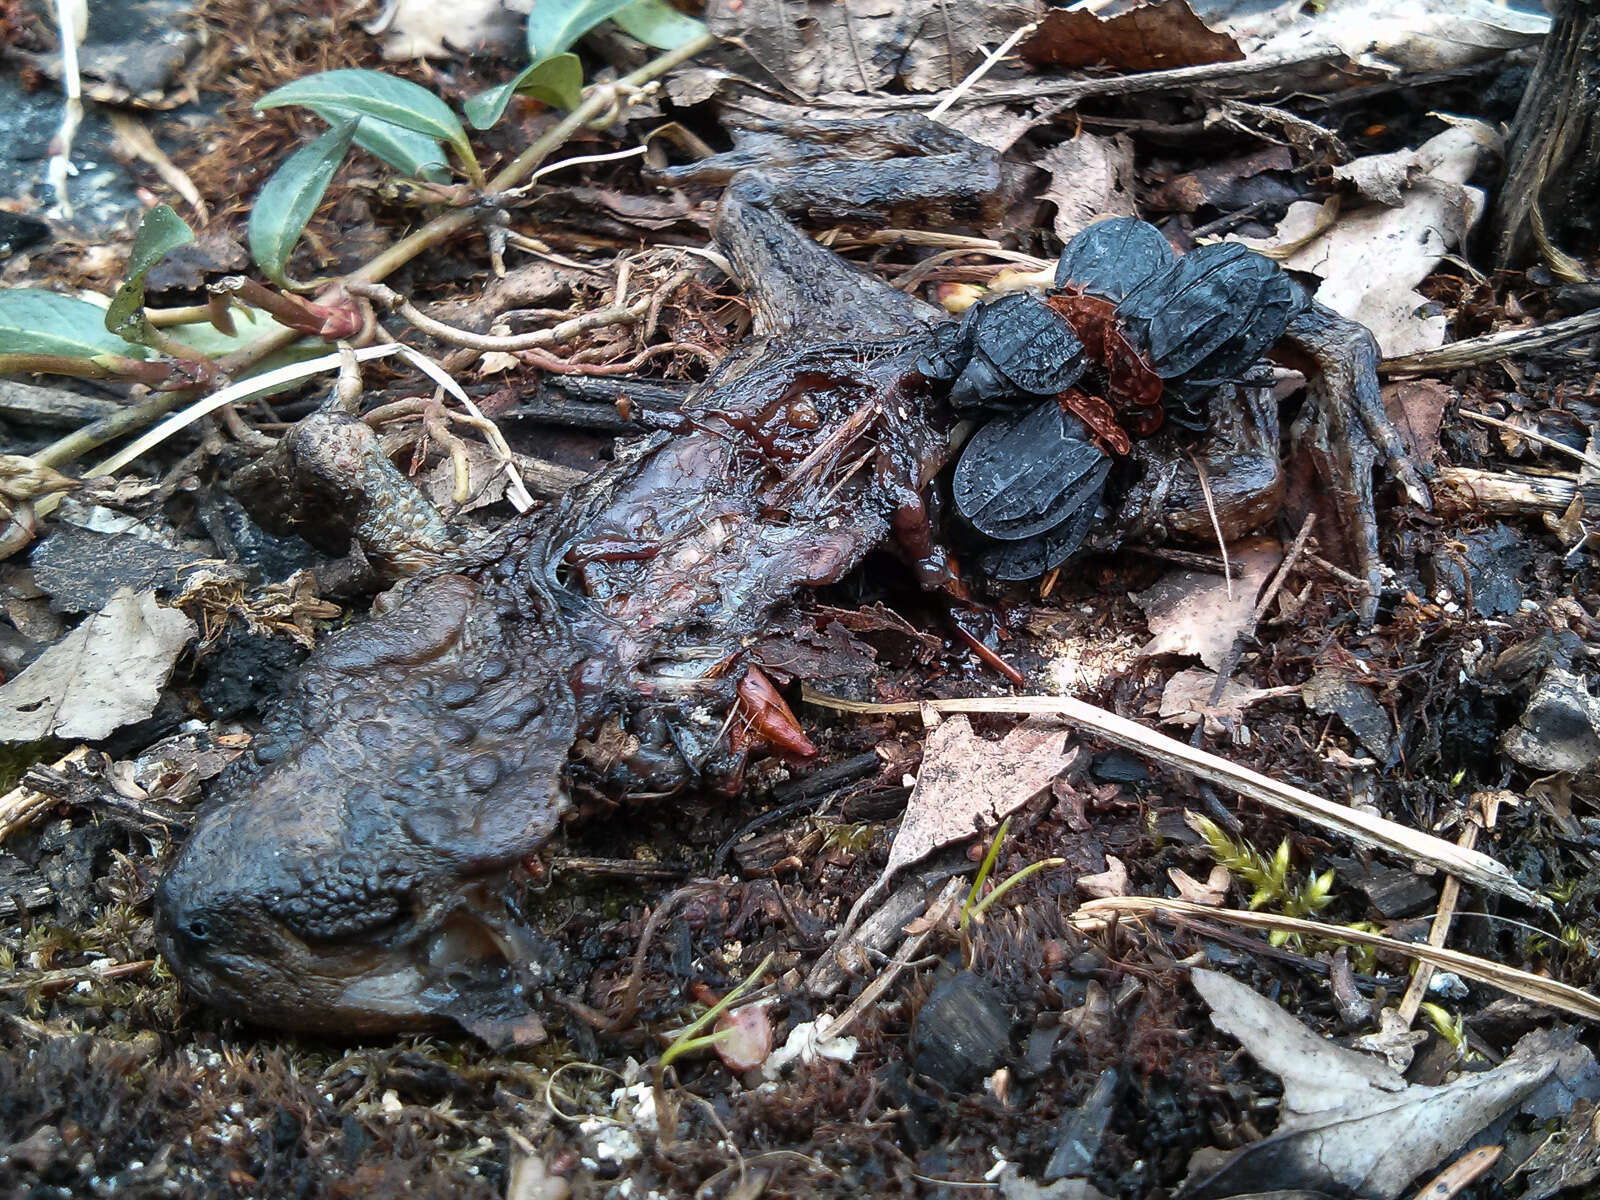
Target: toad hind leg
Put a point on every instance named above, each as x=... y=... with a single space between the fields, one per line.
x=856 y=172
x=1346 y=431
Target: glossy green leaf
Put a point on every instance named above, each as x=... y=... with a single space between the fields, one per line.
x=289 y=198
x=554 y=25
x=372 y=94
x=160 y=230
x=557 y=81
x=656 y=23
x=411 y=153
x=33 y=321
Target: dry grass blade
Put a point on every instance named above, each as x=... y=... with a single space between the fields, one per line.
x=1534 y=988
x=1365 y=829
x=242 y=390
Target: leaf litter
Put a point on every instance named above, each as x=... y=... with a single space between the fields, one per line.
x=107 y=673
x=1123 y=824
x=1350 y=1122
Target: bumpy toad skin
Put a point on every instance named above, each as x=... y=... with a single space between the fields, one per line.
x=357 y=872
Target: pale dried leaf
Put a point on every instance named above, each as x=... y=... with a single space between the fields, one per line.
x=1351 y=1125
x=106 y=673
x=435 y=28
x=1371 y=259
x=486 y=475
x=1113 y=881
x=1381 y=177
x=967 y=785
x=1210 y=893
x=1413 y=35
x=817 y=46
x=1395 y=1040
x=1090 y=177
x=1187 y=698
x=1191 y=612
x=993 y=125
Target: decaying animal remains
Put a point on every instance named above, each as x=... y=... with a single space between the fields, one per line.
x=354 y=872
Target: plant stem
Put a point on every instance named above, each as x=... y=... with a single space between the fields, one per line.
x=81 y=441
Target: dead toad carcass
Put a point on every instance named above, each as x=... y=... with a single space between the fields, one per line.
x=354 y=872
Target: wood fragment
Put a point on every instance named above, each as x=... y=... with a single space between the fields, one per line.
x=1491 y=347
x=50 y=408
x=1459 y=490
x=23 y=805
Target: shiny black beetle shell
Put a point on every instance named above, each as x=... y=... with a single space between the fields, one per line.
x=1112 y=258
x=1018 y=349
x=1210 y=314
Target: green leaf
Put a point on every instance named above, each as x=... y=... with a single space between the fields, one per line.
x=557 y=81
x=249 y=325
x=656 y=23
x=33 y=321
x=289 y=198
x=372 y=94
x=407 y=151
x=554 y=25
x=160 y=230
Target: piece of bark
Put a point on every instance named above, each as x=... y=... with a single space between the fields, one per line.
x=1553 y=157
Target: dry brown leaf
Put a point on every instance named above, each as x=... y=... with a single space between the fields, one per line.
x=1113 y=881
x=1090 y=177
x=1191 y=612
x=1155 y=37
x=967 y=786
x=1230 y=184
x=817 y=46
x=106 y=673
x=1416 y=406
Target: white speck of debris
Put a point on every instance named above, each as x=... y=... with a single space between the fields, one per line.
x=643 y=1099
x=1452 y=607
x=610 y=1142
x=391 y=1101
x=83 y=986
x=1443 y=596
x=808 y=1042
x=1449 y=985
x=999 y=1168
x=908 y=780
